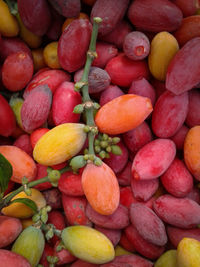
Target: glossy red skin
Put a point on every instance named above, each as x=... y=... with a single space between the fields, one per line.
x=17 y=71
x=123 y=70
x=42 y=172
x=125 y=243
x=80 y=263
x=67 y=8
x=55 y=29
x=35 y=15
x=64 y=256
x=193 y=115
x=53 y=78
x=36 y=135
x=148 y=224
x=176 y=234
x=118 y=162
x=155 y=15
x=179 y=137
x=23 y=142
x=144 y=88
x=7 y=118
x=124 y=177
x=65 y=99
x=105 y=52
x=141 y=245
x=36 y=107
x=117 y=35
x=188 y=8
x=158 y=86
x=153 y=159
x=76 y=39
x=179 y=212
x=112 y=234
x=126 y=196
x=48 y=251
x=169 y=114
x=10 y=259
x=194 y=194
x=70 y=184
x=179 y=77
x=177 y=180
x=75 y=210
x=12 y=45
x=111 y=12
x=138 y=137
x=109 y=94
x=143 y=190
x=129 y=260
x=118 y=220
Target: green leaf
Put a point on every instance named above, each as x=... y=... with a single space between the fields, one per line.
x=5 y=173
x=28 y=202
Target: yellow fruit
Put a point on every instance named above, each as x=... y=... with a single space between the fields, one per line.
x=167 y=259
x=59 y=144
x=121 y=251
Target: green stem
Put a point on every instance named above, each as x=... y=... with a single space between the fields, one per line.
x=8 y=198
x=89 y=112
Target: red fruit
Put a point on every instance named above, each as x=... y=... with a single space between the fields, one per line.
x=153 y=159
x=53 y=198
x=111 y=12
x=24 y=142
x=188 y=8
x=193 y=115
x=42 y=172
x=65 y=99
x=48 y=251
x=125 y=243
x=155 y=15
x=36 y=107
x=36 y=134
x=169 y=114
x=124 y=177
x=112 y=234
x=148 y=224
x=17 y=71
x=127 y=197
x=179 y=212
x=179 y=137
x=10 y=259
x=7 y=118
x=80 y=263
x=67 y=8
x=180 y=78
x=75 y=38
x=177 y=180
x=64 y=256
x=123 y=70
x=109 y=94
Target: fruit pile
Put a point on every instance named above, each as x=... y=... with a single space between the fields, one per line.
x=100 y=133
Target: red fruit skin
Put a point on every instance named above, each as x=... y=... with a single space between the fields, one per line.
x=7 y=118
x=128 y=260
x=80 y=263
x=36 y=135
x=179 y=137
x=177 y=180
x=42 y=172
x=10 y=228
x=194 y=194
x=124 y=177
x=158 y=86
x=111 y=12
x=67 y=8
x=176 y=234
x=105 y=52
x=193 y=115
x=10 y=187
x=48 y=251
x=17 y=71
x=65 y=99
x=188 y=8
x=53 y=78
x=125 y=243
x=76 y=39
x=24 y=142
x=109 y=94
x=11 y=45
x=153 y=159
x=169 y=114
x=64 y=256
x=123 y=70
x=118 y=220
x=138 y=137
x=118 y=162
x=155 y=15
x=55 y=29
x=126 y=196
x=53 y=198
x=75 y=210
x=148 y=224
x=36 y=107
x=118 y=34
x=143 y=190
x=144 y=88
x=70 y=184
x=136 y=45
x=56 y=218
x=179 y=212
x=112 y=234
x=10 y=259
x=142 y=246
x=179 y=77
x=35 y=15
